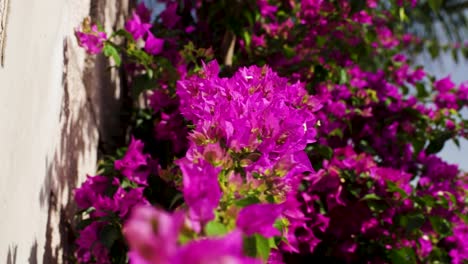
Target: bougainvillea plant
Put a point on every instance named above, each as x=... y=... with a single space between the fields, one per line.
x=276 y=131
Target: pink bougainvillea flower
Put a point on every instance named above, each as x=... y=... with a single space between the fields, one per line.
x=362 y=17
x=189 y=29
x=135 y=165
x=227 y=249
x=87 y=194
x=127 y=200
x=91 y=40
x=143 y=12
x=259 y=219
x=459 y=238
x=202 y=192
x=89 y=247
x=152 y=235
x=266 y=9
x=137 y=27
x=169 y=16
x=154 y=45
x=444 y=85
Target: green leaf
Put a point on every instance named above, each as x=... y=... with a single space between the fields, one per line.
x=84 y=223
x=108 y=235
x=403 y=256
x=418 y=144
x=402 y=14
x=247 y=38
x=371 y=196
x=214 y=228
x=128 y=183
x=357 y=6
x=435 y=4
x=412 y=222
x=343 y=76
x=86 y=211
x=247 y=201
x=185 y=237
x=421 y=91
x=263 y=246
x=321 y=41
x=257 y=246
x=437 y=144
x=452 y=198
x=455 y=55
x=178 y=197
x=441 y=225
x=465 y=52
x=442 y=201
x=150 y=73
x=142 y=83
x=438 y=255
x=415 y=221
x=111 y=51
x=427 y=201
x=281 y=224
x=324 y=151
x=392 y=187
x=121 y=152
x=434 y=50
x=377 y=205
x=250 y=16
x=336 y=132
x=288 y=51
x=100 y=27
x=249 y=246
x=463 y=217
x=404 y=89
x=140 y=56
x=365 y=146
x=125 y=34
x=320 y=73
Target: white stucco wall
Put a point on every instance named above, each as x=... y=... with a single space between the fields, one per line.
x=48 y=127
x=30 y=101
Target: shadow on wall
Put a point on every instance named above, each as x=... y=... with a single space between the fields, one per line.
x=62 y=169
x=84 y=122
x=33 y=254
x=11 y=256
x=13 y=251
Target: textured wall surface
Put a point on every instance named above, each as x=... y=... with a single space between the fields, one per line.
x=54 y=111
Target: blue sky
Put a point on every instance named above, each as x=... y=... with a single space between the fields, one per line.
x=459 y=73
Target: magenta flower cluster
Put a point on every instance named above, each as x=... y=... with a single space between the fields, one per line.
x=254 y=126
x=91 y=39
x=153 y=238
x=325 y=150
x=139 y=27
x=106 y=197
